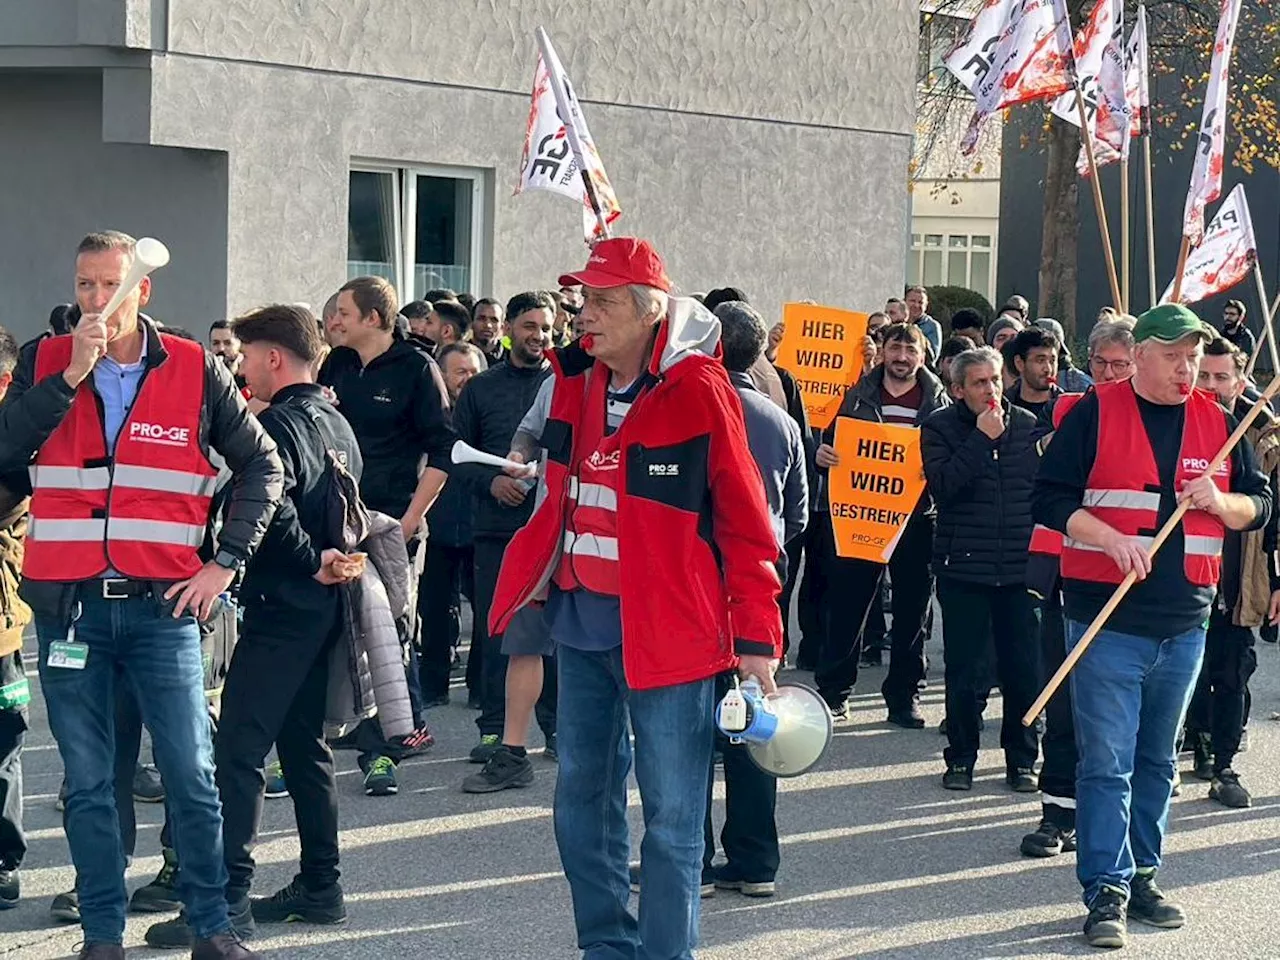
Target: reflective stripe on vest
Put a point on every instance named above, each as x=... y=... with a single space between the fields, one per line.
x=1045 y=540
x=589 y=555
x=1122 y=489
x=142 y=510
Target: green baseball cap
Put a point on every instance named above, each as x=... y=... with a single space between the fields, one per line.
x=1169 y=323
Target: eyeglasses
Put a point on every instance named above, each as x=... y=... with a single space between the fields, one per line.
x=1115 y=366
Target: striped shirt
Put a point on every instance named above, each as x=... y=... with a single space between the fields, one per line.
x=618 y=404
x=901 y=409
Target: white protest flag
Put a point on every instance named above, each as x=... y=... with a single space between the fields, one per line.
x=1224 y=257
x=1112 y=119
x=970 y=59
x=1089 y=50
x=1031 y=61
x=1206 y=175
x=555 y=150
x=1137 y=94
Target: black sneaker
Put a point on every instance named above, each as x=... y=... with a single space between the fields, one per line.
x=412 y=744
x=1148 y=904
x=1022 y=780
x=1048 y=840
x=550 y=753
x=296 y=904
x=1203 y=764
x=489 y=744
x=839 y=711
x=1227 y=790
x=911 y=718
x=503 y=770
x=727 y=877
x=65 y=908
x=10 y=887
x=161 y=894
x=380 y=778
x=176 y=934
x=147 y=787
x=1106 y=924
x=959 y=776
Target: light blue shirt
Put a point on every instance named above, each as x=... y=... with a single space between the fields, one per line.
x=117 y=385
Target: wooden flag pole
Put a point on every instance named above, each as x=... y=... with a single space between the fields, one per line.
x=1124 y=234
x=1184 y=251
x=1267 y=334
x=1267 y=317
x=1087 y=138
x=1131 y=578
x=1151 y=222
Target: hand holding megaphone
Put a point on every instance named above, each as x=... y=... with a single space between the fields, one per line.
x=463 y=452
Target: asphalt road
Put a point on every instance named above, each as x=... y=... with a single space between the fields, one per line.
x=878 y=860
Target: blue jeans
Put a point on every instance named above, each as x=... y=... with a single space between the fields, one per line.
x=1129 y=696
x=135 y=641
x=673 y=738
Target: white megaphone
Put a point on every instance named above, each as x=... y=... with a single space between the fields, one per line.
x=148 y=254
x=465 y=453
x=785 y=733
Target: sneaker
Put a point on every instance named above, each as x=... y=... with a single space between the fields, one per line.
x=1048 y=840
x=223 y=946
x=726 y=877
x=101 y=951
x=412 y=744
x=1105 y=925
x=1203 y=764
x=839 y=711
x=911 y=718
x=65 y=908
x=959 y=776
x=175 y=933
x=296 y=904
x=1227 y=790
x=550 y=752
x=61 y=803
x=147 y=787
x=10 y=887
x=380 y=778
x=1148 y=904
x=276 y=787
x=503 y=770
x=1244 y=741
x=161 y=894
x=1022 y=780
x=705 y=892
x=1177 y=783
x=489 y=744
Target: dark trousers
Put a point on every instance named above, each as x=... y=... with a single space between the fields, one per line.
x=750 y=834
x=970 y=613
x=794 y=551
x=875 y=630
x=1058 y=773
x=438 y=590
x=13 y=729
x=853 y=586
x=275 y=693
x=1219 y=706
x=819 y=550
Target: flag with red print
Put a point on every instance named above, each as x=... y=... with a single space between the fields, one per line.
x=1137 y=95
x=1031 y=61
x=970 y=59
x=552 y=146
x=1225 y=257
x=1089 y=50
x=1114 y=112
x=1206 y=175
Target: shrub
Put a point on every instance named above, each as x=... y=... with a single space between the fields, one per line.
x=944 y=301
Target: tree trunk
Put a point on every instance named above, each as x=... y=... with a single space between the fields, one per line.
x=1061 y=219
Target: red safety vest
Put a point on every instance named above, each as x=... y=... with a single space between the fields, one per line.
x=1046 y=540
x=589 y=549
x=1123 y=488
x=143 y=511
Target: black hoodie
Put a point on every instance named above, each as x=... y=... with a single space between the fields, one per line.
x=399 y=410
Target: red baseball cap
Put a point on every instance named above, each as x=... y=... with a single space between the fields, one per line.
x=619 y=261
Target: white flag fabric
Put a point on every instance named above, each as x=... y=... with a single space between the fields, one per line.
x=1089 y=50
x=1114 y=113
x=557 y=140
x=1137 y=94
x=1031 y=61
x=1226 y=255
x=1206 y=175
x=970 y=59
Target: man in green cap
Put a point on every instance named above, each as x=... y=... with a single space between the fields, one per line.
x=1119 y=464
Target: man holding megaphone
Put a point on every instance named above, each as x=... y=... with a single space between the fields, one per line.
x=117 y=421
x=654 y=550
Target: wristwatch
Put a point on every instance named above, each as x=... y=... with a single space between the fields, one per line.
x=228 y=561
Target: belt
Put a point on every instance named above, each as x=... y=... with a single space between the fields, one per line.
x=117 y=588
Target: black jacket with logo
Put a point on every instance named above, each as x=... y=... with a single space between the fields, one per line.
x=399 y=410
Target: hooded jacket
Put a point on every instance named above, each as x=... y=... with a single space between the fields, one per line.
x=696 y=548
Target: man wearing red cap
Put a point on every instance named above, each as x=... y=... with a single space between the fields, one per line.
x=655 y=554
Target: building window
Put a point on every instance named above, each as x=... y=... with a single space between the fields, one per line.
x=421 y=228
x=955 y=260
x=939 y=33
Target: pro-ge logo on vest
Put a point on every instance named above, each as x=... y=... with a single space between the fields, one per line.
x=664 y=469
x=1200 y=466
x=158 y=433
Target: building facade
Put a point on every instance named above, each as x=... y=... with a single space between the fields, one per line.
x=279 y=147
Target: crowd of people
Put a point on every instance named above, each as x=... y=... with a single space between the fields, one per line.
x=267 y=544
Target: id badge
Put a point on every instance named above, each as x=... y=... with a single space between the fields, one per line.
x=68 y=654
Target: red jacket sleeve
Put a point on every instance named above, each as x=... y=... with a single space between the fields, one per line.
x=740 y=526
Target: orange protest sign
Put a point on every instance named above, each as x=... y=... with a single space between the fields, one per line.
x=874 y=489
x=822 y=347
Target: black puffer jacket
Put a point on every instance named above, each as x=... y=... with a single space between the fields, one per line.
x=982 y=489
